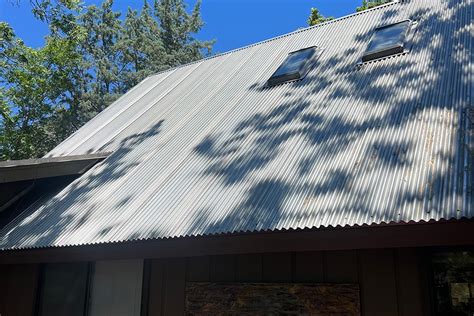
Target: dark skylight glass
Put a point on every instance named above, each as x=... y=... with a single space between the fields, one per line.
x=294 y=67
x=387 y=40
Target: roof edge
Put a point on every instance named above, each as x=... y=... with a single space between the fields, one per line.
x=304 y=29
x=363 y=237
x=31 y=169
x=410 y=223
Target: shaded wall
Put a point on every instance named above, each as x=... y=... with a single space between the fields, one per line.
x=391 y=280
x=18 y=288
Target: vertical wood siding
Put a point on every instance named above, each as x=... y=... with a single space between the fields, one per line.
x=378 y=284
x=18 y=287
x=389 y=279
x=409 y=283
x=166 y=287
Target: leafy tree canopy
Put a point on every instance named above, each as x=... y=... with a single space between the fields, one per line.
x=316 y=17
x=371 y=4
x=90 y=57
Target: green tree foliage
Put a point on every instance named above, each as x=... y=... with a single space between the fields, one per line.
x=33 y=84
x=371 y=4
x=141 y=46
x=90 y=57
x=316 y=17
x=101 y=54
x=177 y=29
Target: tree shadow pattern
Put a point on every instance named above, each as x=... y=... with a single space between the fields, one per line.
x=49 y=216
x=349 y=145
x=408 y=170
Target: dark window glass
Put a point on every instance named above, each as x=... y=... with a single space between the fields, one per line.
x=387 y=40
x=294 y=67
x=64 y=289
x=453 y=275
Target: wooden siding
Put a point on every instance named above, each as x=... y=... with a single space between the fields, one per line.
x=18 y=289
x=389 y=279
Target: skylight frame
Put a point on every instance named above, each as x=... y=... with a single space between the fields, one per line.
x=300 y=73
x=389 y=50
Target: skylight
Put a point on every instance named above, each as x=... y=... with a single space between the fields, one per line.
x=294 y=67
x=387 y=40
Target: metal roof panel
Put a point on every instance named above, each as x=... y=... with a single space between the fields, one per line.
x=208 y=148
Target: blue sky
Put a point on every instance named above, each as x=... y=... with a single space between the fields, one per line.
x=233 y=23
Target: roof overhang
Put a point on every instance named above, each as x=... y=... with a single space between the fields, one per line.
x=453 y=233
x=18 y=178
x=32 y=169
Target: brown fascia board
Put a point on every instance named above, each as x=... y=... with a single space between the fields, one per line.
x=453 y=233
x=31 y=169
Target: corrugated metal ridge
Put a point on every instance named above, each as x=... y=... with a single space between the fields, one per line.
x=241 y=233
x=345 y=17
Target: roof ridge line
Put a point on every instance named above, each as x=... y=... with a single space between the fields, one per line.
x=278 y=37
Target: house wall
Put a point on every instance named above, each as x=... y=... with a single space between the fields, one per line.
x=18 y=288
x=390 y=280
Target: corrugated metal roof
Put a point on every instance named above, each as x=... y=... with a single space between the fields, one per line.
x=206 y=148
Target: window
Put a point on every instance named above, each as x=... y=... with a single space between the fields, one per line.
x=103 y=288
x=294 y=67
x=117 y=288
x=64 y=289
x=453 y=282
x=387 y=40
